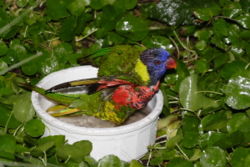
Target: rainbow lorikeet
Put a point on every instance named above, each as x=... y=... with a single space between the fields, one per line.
x=128 y=78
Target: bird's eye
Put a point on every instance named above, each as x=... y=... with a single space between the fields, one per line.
x=157 y=62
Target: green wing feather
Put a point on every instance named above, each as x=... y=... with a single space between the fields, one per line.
x=122 y=61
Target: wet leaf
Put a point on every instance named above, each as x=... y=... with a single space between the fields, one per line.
x=232 y=9
x=222 y=140
x=158 y=42
x=133 y=27
x=190 y=98
x=172 y=12
x=213 y=157
x=244 y=20
x=207 y=13
x=34 y=128
x=238 y=92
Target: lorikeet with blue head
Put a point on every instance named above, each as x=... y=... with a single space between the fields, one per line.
x=128 y=78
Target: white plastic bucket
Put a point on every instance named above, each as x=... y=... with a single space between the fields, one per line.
x=127 y=141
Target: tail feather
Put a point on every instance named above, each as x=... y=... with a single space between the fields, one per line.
x=77 y=83
x=60 y=98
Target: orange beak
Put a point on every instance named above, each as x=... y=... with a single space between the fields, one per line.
x=171 y=63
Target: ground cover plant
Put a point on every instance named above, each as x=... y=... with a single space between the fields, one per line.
x=206 y=117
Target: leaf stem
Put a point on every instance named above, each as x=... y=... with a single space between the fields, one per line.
x=176 y=46
x=20 y=63
x=184 y=46
x=207 y=91
x=7 y=122
x=182 y=152
x=15 y=21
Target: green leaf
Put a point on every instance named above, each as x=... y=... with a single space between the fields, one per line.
x=220 y=60
x=232 y=9
x=201 y=66
x=7 y=146
x=244 y=20
x=237 y=49
x=218 y=41
x=190 y=98
x=34 y=128
x=76 y=7
x=213 y=157
x=179 y=162
x=238 y=92
x=215 y=121
x=6 y=116
x=57 y=9
x=23 y=109
x=17 y=50
x=76 y=151
x=207 y=13
x=30 y=68
x=45 y=144
x=125 y=4
x=22 y=3
x=190 y=131
x=132 y=27
x=237 y=121
x=220 y=27
x=172 y=12
x=3 y=65
x=135 y=163
x=67 y=31
x=157 y=41
x=3 y=48
x=201 y=45
x=241 y=157
x=222 y=140
x=231 y=69
x=111 y=161
x=58 y=140
x=40 y=149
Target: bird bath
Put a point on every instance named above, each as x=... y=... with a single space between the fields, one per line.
x=128 y=141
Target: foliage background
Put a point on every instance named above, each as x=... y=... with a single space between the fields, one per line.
x=206 y=117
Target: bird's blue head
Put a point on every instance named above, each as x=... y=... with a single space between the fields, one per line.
x=157 y=61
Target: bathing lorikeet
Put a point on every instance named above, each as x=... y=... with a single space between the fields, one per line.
x=128 y=77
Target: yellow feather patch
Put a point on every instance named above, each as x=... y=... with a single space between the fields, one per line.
x=84 y=82
x=109 y=113
x=141 y=71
